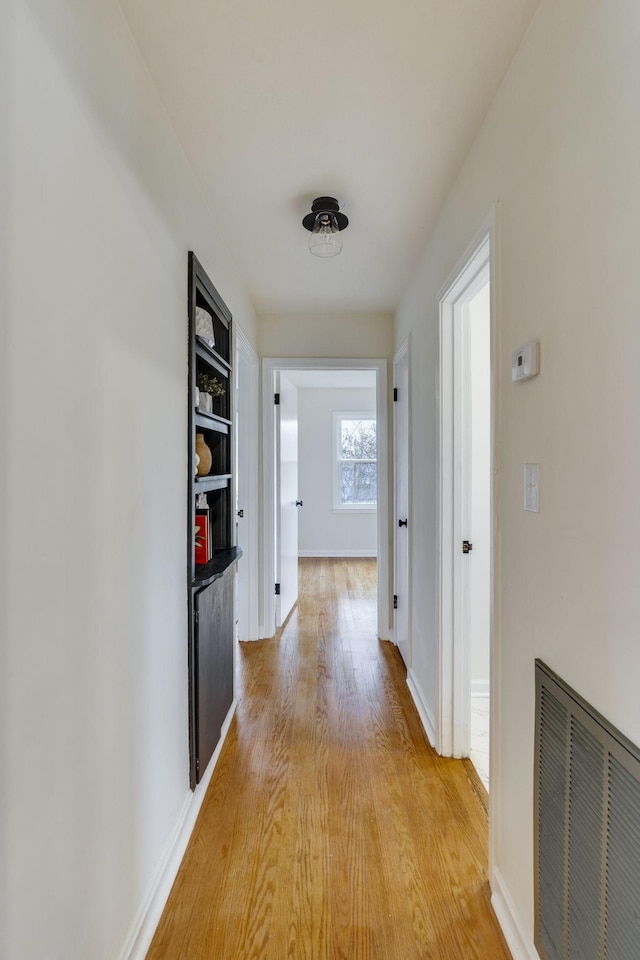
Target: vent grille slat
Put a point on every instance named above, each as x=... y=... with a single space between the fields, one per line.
x=586 y=792
x=552 y=798
x=622 y=917
x=587 y=815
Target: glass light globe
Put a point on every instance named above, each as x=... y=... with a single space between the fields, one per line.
x=325 y=239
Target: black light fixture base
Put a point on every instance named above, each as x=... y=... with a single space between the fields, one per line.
x=325 y=205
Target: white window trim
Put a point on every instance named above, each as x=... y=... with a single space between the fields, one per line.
x=338 y=506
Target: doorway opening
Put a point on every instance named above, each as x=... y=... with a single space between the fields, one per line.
x=466 y=510
x=325 y=484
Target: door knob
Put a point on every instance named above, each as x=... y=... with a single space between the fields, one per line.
x=299 y=503
x=402 y=523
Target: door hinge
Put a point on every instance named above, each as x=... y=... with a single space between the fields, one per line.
x=276 y=399
x=195 y=618
x=277 y=589
x=395 y=393
x=395 y=601
x=466 y=546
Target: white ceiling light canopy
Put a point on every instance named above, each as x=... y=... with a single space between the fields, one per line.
x=325 y=223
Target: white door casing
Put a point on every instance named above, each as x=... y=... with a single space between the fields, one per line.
x=479 y=262
x=402 y=500
x=270 y=366
x=454 y=732
x=287 y=498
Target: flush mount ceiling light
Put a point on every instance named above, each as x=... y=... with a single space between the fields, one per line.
x=325 y=223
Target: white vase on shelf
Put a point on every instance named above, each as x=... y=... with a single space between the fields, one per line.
x=204 y=326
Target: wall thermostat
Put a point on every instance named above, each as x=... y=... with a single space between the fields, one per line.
x=525 y=362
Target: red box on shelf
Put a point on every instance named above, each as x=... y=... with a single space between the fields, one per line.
x=202 y=538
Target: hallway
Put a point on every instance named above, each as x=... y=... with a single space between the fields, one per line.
x=331 y=831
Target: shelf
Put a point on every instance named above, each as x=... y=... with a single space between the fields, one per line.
x=207 y=292
x=210 y=421
x=206 y=573
x=212 y=357
x=210 y=586
x=213 y=482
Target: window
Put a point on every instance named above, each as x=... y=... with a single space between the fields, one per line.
x=355 y=474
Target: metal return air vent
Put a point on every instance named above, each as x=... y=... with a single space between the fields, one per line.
x=587 y=830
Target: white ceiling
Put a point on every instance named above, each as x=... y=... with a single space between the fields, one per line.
x=375 y=102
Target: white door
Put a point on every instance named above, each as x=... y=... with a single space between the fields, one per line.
x=479 y=453
x=247 y=492
x=471 y=505
x=286 y=499
x=402 y=598
x=463 y=558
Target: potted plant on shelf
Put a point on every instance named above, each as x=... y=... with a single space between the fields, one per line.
x=209 y=388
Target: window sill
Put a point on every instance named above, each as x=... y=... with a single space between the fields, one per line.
x=355 y=510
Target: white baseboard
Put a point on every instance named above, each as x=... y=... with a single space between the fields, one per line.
x=338 y=553
x=425 y=714
x=518 y=942
x=480 y=688
x=148 y=916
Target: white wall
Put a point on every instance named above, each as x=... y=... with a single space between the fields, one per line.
x=560 y=151
x=326 y=335
x=322 y=530
x=103 y=209
x=480 y=533
x=6 y=65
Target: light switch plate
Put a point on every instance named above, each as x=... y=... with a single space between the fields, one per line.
x=531 y=493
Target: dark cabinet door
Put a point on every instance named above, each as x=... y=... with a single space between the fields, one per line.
x=213 y=656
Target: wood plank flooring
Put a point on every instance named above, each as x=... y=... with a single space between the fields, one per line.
x=331 y=830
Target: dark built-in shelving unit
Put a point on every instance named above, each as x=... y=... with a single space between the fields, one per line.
x=210 y=585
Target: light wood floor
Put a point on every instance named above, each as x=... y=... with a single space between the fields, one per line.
x=331 y=830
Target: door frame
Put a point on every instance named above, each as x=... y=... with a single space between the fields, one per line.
x=453 y=671
x=271 y=365
x=249 y=441
x=404 y=351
